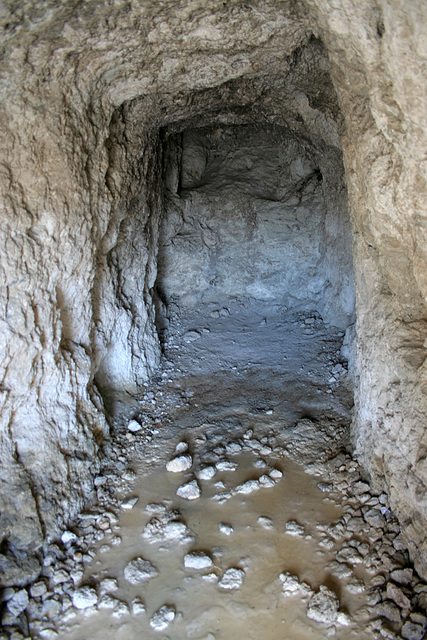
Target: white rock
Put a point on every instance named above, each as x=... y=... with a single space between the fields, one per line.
x=108 y=585
x=138 y=571
x=206 y=473
x=210 y=577
x=162 y=618
x=323 y=606
x=134 y=426
x=84 y=598
x=266 y=482
x=181 y=447
x=343 y=619
x=291 y=585
x=265 y=522
x=248 y=487
x=129 y=503
x=232 y=579
x=197 y=561
x=165 y=528
x=137 y=607
x=67 y=537
x=108 y=602
x=48 y=634
x=292 y=528
x=189 y=491
x=180 y=463
x=120 y=610
x=226 y=465
x=225 y=528
x=276 y=474
x=18 y=602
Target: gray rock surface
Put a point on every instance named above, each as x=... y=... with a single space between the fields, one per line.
x=81 y=186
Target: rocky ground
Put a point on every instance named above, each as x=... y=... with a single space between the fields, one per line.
x=229 y=505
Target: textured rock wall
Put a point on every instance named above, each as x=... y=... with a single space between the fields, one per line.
x=248 y=218
x=86 y=89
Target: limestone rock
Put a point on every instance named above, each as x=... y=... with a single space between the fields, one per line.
x=323 y=606
x=139 y=571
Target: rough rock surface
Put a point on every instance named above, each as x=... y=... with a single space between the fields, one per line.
x=89 y=93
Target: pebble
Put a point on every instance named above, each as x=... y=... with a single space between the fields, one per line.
x=181 y=447
x=225 y=528
x=292 y=528
x=137 y=607
x=411 y=631
x=162 y=618
x=18 y=602
x=134 y=426
x=323 y=606
x=206 y=473
x=84 y=597
x=67 y=537
x=232 y=579
x=129 y=503
x=138 y=571
x=108 y=585
x=180 y=463
x=38 y=589
x=189 y=491
x=197 y=561
x=226 y=465
x=265 y=522
x=292 y=585
x=247 y=487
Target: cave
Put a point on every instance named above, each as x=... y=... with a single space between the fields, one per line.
x=213 y=214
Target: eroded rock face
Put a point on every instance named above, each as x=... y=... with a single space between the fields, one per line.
x=86 y=92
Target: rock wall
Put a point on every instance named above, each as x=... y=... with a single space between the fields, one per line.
x=248 y=219
x=86 y=91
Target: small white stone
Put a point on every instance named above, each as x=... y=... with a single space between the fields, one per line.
x=226 y=465
x=120 y=610
x=276 y=474
x=180 y=463
x=67 y=537
x=138 y=571
x=181 y=447
x=134 y=426
x=225 y=528
x=343 y=619
x=18 y=602
x=189 y=491
x=266 y=481
x=129 y=503
x=84 y=598
x=137 y=607
x=162 y=618
x=108 y=602
x=265 y=522
x=48 y=634
x=108 y=585
x=232 y=579
x=206 y=473
x=197 y=561
x=292 y=528
x=210 y=577
x=248 y=487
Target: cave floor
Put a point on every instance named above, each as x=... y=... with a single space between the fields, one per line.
x=229 y=505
